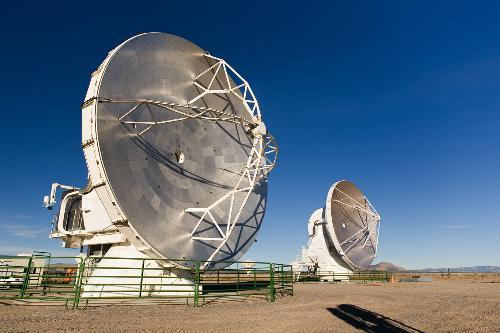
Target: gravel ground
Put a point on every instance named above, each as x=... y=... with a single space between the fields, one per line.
x=439 y=306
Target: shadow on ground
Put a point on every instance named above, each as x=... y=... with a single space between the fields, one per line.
x=369 y=321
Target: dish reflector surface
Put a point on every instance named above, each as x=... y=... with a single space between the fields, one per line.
x=176 y=140
x=352 y=224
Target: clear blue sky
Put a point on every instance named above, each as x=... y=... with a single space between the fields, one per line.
x=401 y=98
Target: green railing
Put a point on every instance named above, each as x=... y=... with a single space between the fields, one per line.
x=83 y=281
x=333 y=277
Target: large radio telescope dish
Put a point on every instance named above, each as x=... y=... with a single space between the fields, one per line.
x=180 y=148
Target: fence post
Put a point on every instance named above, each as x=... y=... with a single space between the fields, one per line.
x=142 y=278
x=271 y=283
x=197 y=284
x=79 y=282
x=238 y=278
x=45 y=277
x=282 y=280
x=254 y=279
x=26 y=280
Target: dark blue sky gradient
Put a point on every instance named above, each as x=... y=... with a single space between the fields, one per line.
x=401 y=98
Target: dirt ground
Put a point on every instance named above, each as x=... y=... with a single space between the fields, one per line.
x=439 y=306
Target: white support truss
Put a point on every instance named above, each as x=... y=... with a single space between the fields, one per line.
x=241 y=89
x=263 y=154
x=368 y=228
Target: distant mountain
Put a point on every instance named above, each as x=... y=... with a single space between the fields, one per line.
x=386 y=266
x=474 y=269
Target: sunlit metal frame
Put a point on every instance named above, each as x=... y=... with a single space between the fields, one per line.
x=263 y=154
x=368 y=228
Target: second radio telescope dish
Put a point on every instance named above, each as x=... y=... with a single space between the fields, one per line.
x=343 y=235
x=352 y=224
x=181 y=148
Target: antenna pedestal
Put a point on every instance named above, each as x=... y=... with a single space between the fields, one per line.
x=316 y=253
x=136 y=275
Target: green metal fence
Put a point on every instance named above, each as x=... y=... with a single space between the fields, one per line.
x=84 y=281
x=333 y=277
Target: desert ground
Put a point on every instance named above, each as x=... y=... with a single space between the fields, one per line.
x=438 y=306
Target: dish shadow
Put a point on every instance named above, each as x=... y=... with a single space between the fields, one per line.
x=369 y=321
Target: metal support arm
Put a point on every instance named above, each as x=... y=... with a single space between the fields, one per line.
x=50 y=201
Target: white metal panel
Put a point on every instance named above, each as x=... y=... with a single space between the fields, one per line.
x=94 y=214
x=317 y=216
x=87 y=121
x=114 y=238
